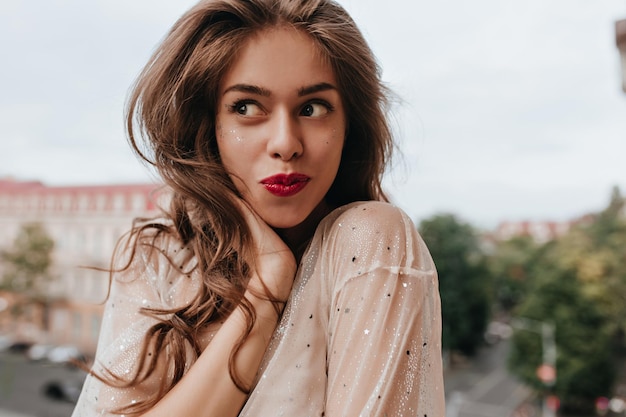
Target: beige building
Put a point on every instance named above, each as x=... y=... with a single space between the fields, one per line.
x=539 y=231
x=85 y=223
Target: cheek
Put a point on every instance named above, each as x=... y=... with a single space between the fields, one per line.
x=227 y=136
x=230 y=143
x=335 y=142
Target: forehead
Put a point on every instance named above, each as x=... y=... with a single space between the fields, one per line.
x=279 y=58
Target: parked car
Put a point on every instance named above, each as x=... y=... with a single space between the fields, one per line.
x=5 y=342
x=65 y=390
x=20 y=347
x=65 y=354
x=38 y=352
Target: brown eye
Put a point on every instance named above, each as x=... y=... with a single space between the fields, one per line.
x=308 y=110
x=242 y=108
x=246 y=108
x=315 y=109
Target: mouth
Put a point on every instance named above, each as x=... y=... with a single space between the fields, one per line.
x=285 y=185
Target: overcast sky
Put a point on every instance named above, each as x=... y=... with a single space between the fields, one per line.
x=510 y=110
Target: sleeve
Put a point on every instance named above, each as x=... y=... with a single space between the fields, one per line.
x=147 y=282
x=384 y=356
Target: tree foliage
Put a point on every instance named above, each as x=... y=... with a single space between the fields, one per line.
x=512 y=265
x=578 y=283
x=26 y=265
x=464 y=281
x=584 y=364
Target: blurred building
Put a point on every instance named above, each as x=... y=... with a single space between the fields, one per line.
x=85 y=223
x=544 y=231
x=539 y=231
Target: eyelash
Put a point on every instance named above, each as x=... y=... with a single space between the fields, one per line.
x=232 y=108
x=329 y=107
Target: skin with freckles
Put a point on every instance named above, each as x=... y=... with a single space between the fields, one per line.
x=280 y=130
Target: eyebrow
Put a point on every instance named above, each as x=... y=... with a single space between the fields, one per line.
x=304 y=91
x=316 y=88
x=247 y=88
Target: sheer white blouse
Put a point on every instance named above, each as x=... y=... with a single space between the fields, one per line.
x=360 y=334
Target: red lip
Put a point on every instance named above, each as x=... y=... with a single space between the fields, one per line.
x=285 y=185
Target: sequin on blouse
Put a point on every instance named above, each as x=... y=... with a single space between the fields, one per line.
x=360 y=334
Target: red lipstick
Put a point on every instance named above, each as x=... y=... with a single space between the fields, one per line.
x=285 y=185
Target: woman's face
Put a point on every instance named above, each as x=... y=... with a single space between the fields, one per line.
x=281 y=125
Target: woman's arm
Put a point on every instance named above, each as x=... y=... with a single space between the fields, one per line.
x=207 y=389
x=384 y=352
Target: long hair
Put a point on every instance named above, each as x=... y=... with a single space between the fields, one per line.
x=171 y=126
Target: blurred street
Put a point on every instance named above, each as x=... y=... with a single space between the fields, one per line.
x=480 y=388
x=23 y=383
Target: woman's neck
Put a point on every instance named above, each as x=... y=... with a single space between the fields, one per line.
x=298 y=237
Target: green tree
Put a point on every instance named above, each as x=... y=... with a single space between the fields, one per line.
x=584 y=363
x=511 y=266
x=27 y=264
x=464 y=281
x=578 y=283
x=26 y=272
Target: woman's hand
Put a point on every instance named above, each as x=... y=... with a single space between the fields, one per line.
x=274 y=265
x=208 y=390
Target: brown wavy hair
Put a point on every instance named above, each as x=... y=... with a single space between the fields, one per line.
x=171 y=126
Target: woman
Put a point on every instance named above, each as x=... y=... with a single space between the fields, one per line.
x=266 y=120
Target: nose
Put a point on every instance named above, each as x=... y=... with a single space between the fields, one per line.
x=285 y=141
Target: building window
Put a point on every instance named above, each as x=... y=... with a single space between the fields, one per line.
x=99 y=286
x=97 y=243
x=139 y=202
x=101 y=202
x=80 y=240
x=49 y=203
x=78 y=285
x=119 y=202
x=76 y=326
x=95 y=327
x=69 y=281
x=83 y=202
x=60 y=323
x=66 y=202
x=33 y=202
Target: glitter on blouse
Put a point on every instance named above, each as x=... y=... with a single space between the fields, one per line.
x=360 y=334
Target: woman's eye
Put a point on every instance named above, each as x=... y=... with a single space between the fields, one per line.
x=245 y=108
x=315 y=110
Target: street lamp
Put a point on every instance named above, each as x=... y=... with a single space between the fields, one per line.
x=620 y=40
x=547 y=371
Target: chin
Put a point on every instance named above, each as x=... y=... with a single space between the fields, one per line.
x=286 y=219
x=293 y=216
x=283 y=223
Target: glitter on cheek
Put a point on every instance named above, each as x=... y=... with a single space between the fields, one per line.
x=233 y=134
